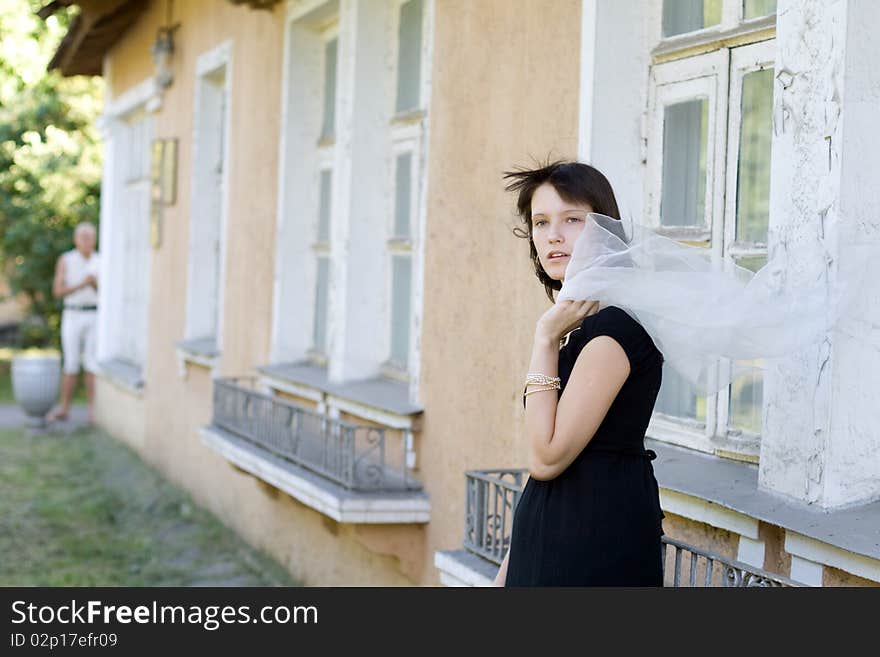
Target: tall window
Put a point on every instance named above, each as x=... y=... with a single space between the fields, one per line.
x=208 y=206
x=353 y=128
x=406 y=134
x=321 y=246
x=128 y=267
x=709 y=181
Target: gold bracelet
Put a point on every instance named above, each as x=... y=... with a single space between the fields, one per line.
x=544 y=389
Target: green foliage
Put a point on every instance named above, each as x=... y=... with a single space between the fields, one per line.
x=50 y=160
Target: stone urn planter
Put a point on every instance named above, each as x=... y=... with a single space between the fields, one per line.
x=36 y=379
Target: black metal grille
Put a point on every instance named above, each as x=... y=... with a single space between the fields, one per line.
x=357 y=457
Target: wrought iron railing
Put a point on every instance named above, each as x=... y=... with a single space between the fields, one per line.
x=358 y=457
x=491 y=496
x=491 y=499
x=692 y=567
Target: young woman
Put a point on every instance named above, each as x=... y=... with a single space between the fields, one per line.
x=590 y=512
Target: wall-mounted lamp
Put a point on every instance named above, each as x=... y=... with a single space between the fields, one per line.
x=162 y=50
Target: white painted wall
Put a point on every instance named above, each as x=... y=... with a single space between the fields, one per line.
x=611 y=138
x=853 y=470
x=820 y=441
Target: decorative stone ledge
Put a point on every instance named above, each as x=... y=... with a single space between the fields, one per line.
x=462 y=568
x=197 y=351
x=123 y=375
x=725 y=494
x=378 y=399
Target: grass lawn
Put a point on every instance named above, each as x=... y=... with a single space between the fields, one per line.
x=84 y=510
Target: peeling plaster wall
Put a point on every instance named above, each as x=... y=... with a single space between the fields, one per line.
x=805 y=185
x=818 y=412
x=853 y=469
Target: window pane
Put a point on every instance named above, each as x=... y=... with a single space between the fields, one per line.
x=321 y=294
x=758 y=8
x=685 y=143
x=753 y=169
x=403 y=195
x=324 y=208
x=752 y=263
x=746 y=402
x=677 y=397
x=401 y=276
x=747 y=392
x=409 y=56
x=681 y=16
x=329 y=89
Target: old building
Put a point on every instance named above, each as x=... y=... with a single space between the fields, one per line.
x=315 y=316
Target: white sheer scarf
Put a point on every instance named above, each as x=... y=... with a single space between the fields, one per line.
x=698 y=313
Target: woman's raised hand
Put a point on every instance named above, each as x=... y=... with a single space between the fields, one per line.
x=562 y=317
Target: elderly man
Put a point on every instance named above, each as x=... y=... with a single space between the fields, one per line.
x=76 y=281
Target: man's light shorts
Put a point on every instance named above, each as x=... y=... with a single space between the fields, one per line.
x=78 y=329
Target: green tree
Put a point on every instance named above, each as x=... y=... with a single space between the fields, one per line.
x=50 y=160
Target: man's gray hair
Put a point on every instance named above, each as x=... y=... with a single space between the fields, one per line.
x=85 y=226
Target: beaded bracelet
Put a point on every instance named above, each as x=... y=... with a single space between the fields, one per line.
x=536 y=378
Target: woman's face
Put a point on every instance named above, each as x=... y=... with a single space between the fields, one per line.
x=556 y=225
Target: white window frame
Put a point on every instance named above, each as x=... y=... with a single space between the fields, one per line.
x=744 y=60
x=715 y=73
x=701 y=76
x=326 y=161
x=358 y=139
x=295 y=278
x=325 y=158
x=732 y=28
x=408 y=135
x=209 y=64
x=114 y=318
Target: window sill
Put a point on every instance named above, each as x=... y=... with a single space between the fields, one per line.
x=725 y=493
x=408 y=116
x=712 y=38
x=197 y=351
x=462 y=568
x=123 y=375
x=692 y=435
x=379 y=399
x=326 y=497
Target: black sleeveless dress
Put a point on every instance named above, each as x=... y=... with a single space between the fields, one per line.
x=599 y=522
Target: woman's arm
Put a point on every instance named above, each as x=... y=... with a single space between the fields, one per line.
x=558 y=432
x=501 y=577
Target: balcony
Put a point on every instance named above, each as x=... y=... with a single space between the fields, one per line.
x=350 y=472
x=490 y=500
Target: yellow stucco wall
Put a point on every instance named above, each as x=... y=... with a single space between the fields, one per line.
x=503 y=92
x=483 y=52
x=121 y=413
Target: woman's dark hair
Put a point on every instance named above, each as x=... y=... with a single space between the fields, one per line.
x=575 y=182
